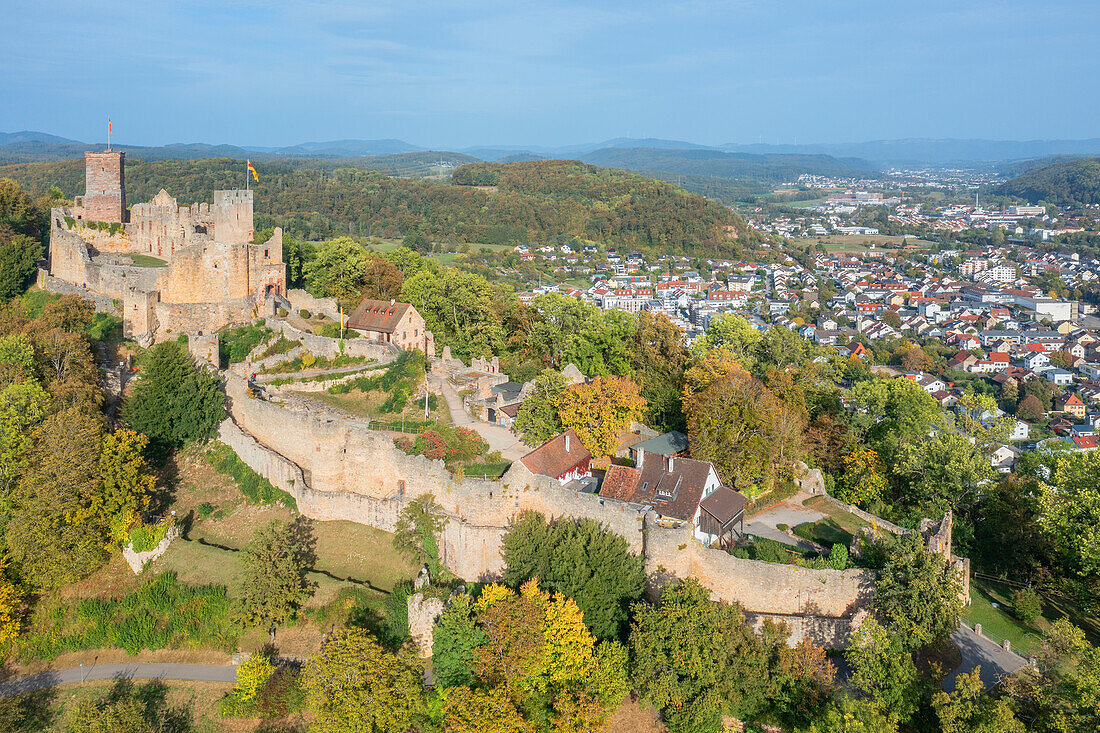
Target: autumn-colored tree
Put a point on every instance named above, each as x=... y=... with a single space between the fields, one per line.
x=915 y=359
x=126 y=481
x=971 y=709
x=356 y=686
x=600 y=411
x=751 y=436
x=22 y=407
x=382 y=279
x=275 y=564
x=863 y=482
x=10 y=605
x=1030 y=409
x=482 y=711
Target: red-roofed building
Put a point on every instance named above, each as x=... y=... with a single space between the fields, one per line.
x=390 y=322
x=563 y=457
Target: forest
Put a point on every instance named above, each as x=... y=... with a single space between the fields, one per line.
x=531 y=202
x=1074 y=182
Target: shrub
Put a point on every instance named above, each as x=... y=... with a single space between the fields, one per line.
x=782 y=527
x=1027 y=606
x=145 y=537
x=838 y=557
x=304 y=314
x=281 y=312
x=255 y=487
x=205 y=509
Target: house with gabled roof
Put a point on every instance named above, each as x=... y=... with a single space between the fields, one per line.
x=563 y=457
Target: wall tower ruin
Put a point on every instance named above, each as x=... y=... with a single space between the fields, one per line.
x=105 y=186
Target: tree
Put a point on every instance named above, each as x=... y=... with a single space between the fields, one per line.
x=175 y=402
x=750 y=435
x=600 y=411
x=22 y=407
x=696 y=660
x=416 y=535
x=337 y=271
x=1069 y=510
x=537 y=418
x=890 y=318
x=1027 y=606
x=863 y=481
x=918 y=595
x=382 y=279
x=659 y=362
x=18 y=261
x=970 y=709
x=274 y=565
x=581 y=560
x=846 y=714
x=1030 y=409
x=10 y=607
x=355 y=686
x=126 y=481
x=883 y=669
x=482 y=711
x=941 y=473
x=45 y=535
x=456 y=637
x=736 y=335
x=108 y=716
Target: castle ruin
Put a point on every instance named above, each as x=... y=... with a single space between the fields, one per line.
x=212 y=273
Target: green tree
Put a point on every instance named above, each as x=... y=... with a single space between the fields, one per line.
x=736 y=335
x=355 y=686
x=22 y=407
x=419 y=525
x=537 y=418
x=696 y=660
x=126 y=481
x=18 y=260
x=1063 y=693
x=1069 y=506
x=918 y=595
x=337 y=271
x=970 y=709
x=174 y=402
x=274 y=567
x=846 y=714
x=883 y=670
x=944 y=472
x=456 y=637
x=580 y=559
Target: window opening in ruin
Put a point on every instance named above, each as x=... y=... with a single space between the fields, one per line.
x=400 y=488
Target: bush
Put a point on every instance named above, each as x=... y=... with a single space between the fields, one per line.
x=281 y=312
x=145 y=537
x=1027 y=605
x=255 y=487
x=838 y=557
x=304 y=314
x=782 y=527
x=237 y=343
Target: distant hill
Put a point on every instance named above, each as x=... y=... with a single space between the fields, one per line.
x=532 y=201
x=715 y=163
x=1074 y=182
x=924 y=152
x=32 y=136
x=349 y=148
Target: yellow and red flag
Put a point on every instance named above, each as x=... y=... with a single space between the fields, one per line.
x=252 y=170
x=109 y=130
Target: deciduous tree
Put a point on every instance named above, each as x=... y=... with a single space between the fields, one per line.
x=918 y=595
x=275 y=564
x=537 y=418
x=600 y=411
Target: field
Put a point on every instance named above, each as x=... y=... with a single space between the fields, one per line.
x=859 y=242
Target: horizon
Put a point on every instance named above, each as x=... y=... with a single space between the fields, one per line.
x=453 y=77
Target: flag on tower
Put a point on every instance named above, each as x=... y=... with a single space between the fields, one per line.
x=252 y=170
x=109 y=130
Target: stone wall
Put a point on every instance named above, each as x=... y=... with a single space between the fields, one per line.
x=105 y=186
x=102 y=303
x=338 y=469
x=300 y=299
x=831 y=633
x=330 y=347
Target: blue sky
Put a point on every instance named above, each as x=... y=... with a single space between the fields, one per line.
x=450 y=74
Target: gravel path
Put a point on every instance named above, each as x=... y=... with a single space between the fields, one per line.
x=135 y=670
x=978 y=650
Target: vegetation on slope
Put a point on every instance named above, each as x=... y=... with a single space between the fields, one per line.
x=1065 y=183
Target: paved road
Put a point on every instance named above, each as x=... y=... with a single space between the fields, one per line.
x=134 y=670
x=498 y=438
x=978 y=650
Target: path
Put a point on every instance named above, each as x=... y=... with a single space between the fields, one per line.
x=134 y=670
x=498 y=438
x=978 y=650
x=334 y=371
x=790 y=512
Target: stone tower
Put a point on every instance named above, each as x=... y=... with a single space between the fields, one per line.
x=105 y=186
x=232 y=216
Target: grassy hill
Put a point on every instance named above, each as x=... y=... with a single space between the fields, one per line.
x=524 y=202
x=1074 y=182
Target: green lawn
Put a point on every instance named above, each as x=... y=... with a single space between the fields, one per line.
x=997 y=622
x=148 y=261
x=837 y=526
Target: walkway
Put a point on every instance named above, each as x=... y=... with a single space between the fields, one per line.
x=498 y=438
x=334 y=371
x=978 y=650
x=135 y=670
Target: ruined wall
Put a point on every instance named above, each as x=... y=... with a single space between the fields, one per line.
x=330 y=347
x=176 y=318
x=102 y=303
x=831 y=633
x=205 y=273
x=69 y=255
x=233 y=216
x=300 y=299
x=105 y=186
x=352 y=473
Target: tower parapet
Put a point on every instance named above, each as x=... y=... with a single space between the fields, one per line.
x=105 y=186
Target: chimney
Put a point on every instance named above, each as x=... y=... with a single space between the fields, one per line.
x=567 y=442
x=671 y=464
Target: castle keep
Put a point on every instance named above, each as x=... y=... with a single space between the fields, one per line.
x=212 y=275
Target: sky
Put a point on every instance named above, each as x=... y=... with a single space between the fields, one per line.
x=448 y=74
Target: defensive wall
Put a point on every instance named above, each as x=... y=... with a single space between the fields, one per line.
x=330 y=347
x=337 y=468
x=300 y=299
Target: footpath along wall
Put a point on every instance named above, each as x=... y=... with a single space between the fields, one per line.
x=339 y=469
